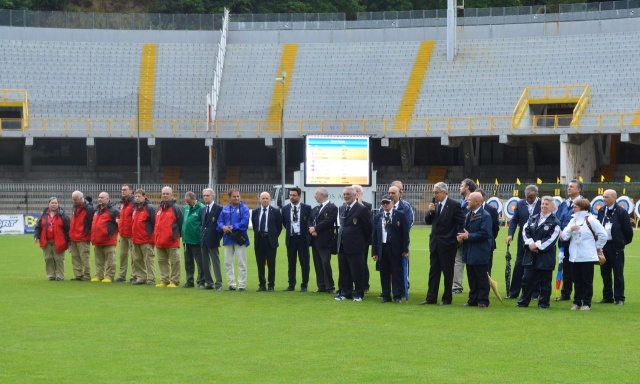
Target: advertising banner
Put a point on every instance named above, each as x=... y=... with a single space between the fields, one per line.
x=30 y=221
x=12 y=224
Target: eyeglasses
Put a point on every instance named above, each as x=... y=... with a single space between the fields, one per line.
x=386 y=202
x=205 y=195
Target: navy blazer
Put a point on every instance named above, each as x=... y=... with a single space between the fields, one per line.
x=355 y=229
x=547 y=233
x=520 y=218
x=621 y=231
x=274 y=225
x=209 y=235
x=324 y=220
x=564 y=214
x=445 y=226
x=397 y=234
x=477 y=248
x=303 y=218
x=495 y=228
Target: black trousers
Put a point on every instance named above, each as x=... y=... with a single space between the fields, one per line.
x=442 y=262
x=516 y=276
x=211 y=259
x=192 y=257
x=298 y=250
x=367 y=275
x=613 y=289
x=478 y=284
x=265 y=252
x=536 y=277
x=583 y=282
x=391 y=274
x=322 y=265
x=567 y=275
x=350 y=274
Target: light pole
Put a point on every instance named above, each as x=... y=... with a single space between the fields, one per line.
x=138 y=142
x=282 y=153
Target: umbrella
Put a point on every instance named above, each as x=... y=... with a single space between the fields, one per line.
x=507 y=270
x=494 y=288
x=559 y=273
x=405 y=270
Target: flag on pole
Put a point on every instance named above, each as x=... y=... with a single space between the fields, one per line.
x=538 y=181
x=627 y=179
x=601 y=178
x=477 y=182
x=580 y=179
x=557 y=180
x=518 y=181
x=497 y=182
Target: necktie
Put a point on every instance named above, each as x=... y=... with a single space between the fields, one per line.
x=346 y=211
x=387 y=219
x=439 y=208
x=208 y=206
x=295 y=213
x=316 y=214
x=263 y=220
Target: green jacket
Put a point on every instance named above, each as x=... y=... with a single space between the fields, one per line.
x=192 y=224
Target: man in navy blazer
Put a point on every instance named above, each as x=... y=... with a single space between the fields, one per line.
x=389 y=245
x=495 y=221
x=267 y=225
x=321 y=227
x=210 y=241
x=476 y=240
x=526 y=207
x=615 y=221
x=446 y=219
x=355 y=230
x=295 y=219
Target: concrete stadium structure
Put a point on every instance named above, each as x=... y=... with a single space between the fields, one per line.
x=545 y=96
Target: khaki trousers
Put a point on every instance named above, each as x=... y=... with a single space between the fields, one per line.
x=458 y=270
x=105 y=257
x=241 y=253
x=169 y=265
x=144 y=262
x=80 y=254
x=53 y=261
x=125 y=249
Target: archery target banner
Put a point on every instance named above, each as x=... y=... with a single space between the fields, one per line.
x=596 y=204
x=637 y=209
x=495 y=203
x=558 y=200
x=510 y=206
x=626 y=203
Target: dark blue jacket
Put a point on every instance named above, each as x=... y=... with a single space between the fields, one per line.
x=303 y=218
x=238 y=218
x=547 y=233
x=520 y=218
x=476 y=250
x=209 y=234
x=274 y=225
x=397 y=234
x=621 y=231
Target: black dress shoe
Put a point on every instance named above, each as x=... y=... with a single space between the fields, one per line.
x=619 y=302
x=482 y=305
x=543 y=306
x=398 y=301
x=261 y=289
x=457 y=291
x=270 y=289
x=445 y=303
x=563 y=298
x=320 y=291
x=200 y=286
x=303 y=289
x=386 y=300
x=521 y=306
x=231 y=288
x=289 y=289
x=606 y=301
x=426 y=302
x=187 y=285
x=468 y=304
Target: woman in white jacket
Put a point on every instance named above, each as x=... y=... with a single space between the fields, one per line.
x=583 y=251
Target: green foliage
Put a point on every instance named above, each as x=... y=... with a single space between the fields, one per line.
x=15 y=4
x=177 y=6
x=50 y=5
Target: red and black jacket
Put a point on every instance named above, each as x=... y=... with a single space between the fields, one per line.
x=60 y=225
x=144 y=219
x=168 y=225
x=81 y=220
x=104 y=230
x=126 y=216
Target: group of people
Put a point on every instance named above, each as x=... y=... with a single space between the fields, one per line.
x=463 y=233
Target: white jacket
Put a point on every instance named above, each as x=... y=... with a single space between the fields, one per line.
x=583 y=247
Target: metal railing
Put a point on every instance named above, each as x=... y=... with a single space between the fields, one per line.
x=18 y=98
x=555 y=94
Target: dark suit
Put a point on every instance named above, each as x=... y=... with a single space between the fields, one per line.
x=355 y=230
x=520 y=218
x=563 y=214
x=366 y=251
x=323 y=219
x=266 y=243
x=476 y=252
x=210 y=244
x=298 y=242
x=442 y=247
x=621 y=235
x=495 y=228
x=389 y=252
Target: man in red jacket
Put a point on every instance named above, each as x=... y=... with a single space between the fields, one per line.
x=124 y=230
x=144 y=219
x=80 y=235
x=104 y=237
x=167 y=240
x=52 y=232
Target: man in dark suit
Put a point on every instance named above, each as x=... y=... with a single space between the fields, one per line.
x=446 y=219
x=295 y=218
x=359 y=198
x=476 y=249
x=267 y=225
x=615 y=221
x=526 y=207
x=210 y=241
x=495 y=227
x=564 y=215
x=390 y=244
x=321 y=224
x=355 y=229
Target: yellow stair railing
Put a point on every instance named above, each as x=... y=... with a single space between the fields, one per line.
x=16 y=98
x=147 y=86
x=287 y=62
x=558 y=94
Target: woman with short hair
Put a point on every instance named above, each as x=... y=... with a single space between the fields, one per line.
x=52 y=232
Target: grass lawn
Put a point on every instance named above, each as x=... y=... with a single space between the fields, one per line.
x=72 y=332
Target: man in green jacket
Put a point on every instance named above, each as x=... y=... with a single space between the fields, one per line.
x=191 y=239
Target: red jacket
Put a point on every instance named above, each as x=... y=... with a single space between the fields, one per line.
x=104 y=230
x=126 y=217
x=81 y=219
x=60 y=230
x=168 y=225
x=144 y=219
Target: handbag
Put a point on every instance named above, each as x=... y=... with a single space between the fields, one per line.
x=238 y=237
x=601 y=258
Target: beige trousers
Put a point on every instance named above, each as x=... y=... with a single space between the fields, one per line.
x=125 y=250
x=53 y=261
x=144 y=262
x=169 y=265
x=80 y=259
x=241 y=253
x=105 y=258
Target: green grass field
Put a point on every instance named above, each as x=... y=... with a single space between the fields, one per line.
x=71 y=332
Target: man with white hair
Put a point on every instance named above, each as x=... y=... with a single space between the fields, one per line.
x=167 y=233
x=80 y=235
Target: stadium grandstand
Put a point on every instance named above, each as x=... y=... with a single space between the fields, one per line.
x=527 y=95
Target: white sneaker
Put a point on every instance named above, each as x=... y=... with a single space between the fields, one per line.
x=340 y=298
x=357 y=299
x=574 y=307
x=585 y=308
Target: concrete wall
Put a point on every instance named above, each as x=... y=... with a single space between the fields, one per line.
x=108 y=36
